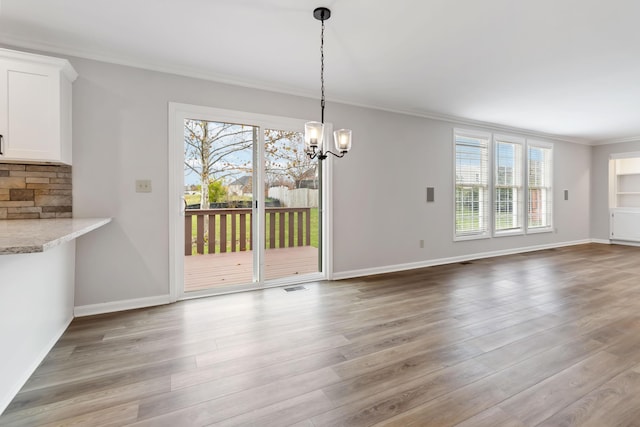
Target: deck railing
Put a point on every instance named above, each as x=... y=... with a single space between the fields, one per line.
x=232 y=229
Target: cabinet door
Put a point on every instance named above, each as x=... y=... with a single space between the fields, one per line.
x=30 y=104
x=625 y=225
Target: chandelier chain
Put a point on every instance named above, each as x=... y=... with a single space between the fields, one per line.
x=322 y=71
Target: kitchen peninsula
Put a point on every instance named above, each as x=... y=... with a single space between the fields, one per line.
x=37 y=285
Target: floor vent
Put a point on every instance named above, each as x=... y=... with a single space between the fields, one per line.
x=295 y=288
x=466 y=263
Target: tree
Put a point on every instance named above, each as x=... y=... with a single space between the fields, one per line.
x=217 y=191
x=219 y=151
x=286 y=158
x=215 y=151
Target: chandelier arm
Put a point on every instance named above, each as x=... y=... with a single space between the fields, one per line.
x=342 y=153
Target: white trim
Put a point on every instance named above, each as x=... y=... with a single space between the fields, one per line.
x=327 y=218
x=616 y=141
x=176 y=269
x=451 y=260
x=111 y=307
x=468 y=237
x=467 y=133
x=93 y=309
x=269 y=284
x=538 y=143
x=208 y=75
x=507 y=233
x=630 y=209
x=633 y=154
x=177 y=112
x=66 y=67
x=509 y=138
x=625 y=243
x=538 y=230
x=12 y=391
x=548 y=146
x=470 y=133
x=522 y=205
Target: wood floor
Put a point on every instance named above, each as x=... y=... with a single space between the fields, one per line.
x=236 y=268
x=549 y=338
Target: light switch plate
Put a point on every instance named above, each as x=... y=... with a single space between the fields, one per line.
x=143 y=186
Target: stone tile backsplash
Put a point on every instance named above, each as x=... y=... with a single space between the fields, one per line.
x=30 y=191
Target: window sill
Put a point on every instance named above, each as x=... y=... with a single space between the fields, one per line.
x=471 y=237
x=540 y=230
x=508 y=233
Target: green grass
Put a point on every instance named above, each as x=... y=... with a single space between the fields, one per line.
x=314 y=232
x=192 y=199
x=471 y=222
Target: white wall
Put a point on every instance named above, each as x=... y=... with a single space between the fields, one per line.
x=380 y=207
x=600 y=185
x=120 y=135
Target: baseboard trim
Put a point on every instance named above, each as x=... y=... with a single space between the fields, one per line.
x=13 y=391
x=442 y=261
x=111 y=307
x=625 y=242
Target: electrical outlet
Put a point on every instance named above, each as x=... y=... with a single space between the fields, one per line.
x=421 y=244
x=143 y=186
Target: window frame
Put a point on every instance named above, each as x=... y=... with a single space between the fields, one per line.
x=489 y=224
x=549 y=228
x=497 y=139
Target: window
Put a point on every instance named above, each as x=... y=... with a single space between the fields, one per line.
x=472 y=185
x=509 y=191
x=508 y=197
x=540 y=201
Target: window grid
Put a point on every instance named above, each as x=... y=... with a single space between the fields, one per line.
x=508 y=187
x=472 y=201
x=540 y=195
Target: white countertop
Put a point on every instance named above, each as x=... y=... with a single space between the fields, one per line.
x=23 y=236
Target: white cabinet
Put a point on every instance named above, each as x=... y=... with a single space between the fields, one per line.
x=35 y=107
x=625 y=225
x=624 y=201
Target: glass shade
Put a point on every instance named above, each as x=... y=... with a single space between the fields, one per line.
x=313 y=134
x=342 y=139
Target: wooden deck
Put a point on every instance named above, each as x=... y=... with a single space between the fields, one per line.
x=236 y=268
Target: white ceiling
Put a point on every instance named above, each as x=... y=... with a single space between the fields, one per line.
x=569 y=68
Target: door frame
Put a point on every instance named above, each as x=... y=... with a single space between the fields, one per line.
x=177 y=112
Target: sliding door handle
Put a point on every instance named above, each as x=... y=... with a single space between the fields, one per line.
x=1 y=145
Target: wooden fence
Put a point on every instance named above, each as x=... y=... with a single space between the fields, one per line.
x=232 y=229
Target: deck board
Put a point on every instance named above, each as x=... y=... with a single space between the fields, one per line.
x=236 y=268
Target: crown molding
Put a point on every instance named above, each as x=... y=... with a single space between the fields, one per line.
x=39 y=47
x=11 y=42
x=489 y=126
x=617 y=140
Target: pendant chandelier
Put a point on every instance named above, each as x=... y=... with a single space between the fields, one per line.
x=314 y=131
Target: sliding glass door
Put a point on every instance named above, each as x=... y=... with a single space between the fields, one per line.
x=251 y=212
x=292 y=189
x=218 y=192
